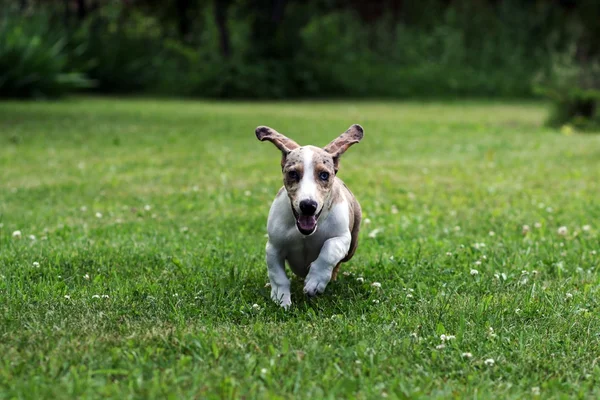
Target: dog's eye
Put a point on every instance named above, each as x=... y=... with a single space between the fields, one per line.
x=293 y=175
x=324 y=176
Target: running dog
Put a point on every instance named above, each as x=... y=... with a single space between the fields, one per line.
x=314 y=220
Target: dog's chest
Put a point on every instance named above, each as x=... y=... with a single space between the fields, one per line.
x=303 y=250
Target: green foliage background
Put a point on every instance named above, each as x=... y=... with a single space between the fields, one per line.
x=317 y=48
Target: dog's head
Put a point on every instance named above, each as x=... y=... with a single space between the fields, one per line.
x=309 y=172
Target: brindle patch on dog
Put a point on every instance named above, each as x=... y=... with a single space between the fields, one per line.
x=293 y=162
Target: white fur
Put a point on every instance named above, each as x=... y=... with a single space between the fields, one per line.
x=308 y=185
x=313 y=256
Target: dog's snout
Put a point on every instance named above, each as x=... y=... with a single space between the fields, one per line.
x=308 y=207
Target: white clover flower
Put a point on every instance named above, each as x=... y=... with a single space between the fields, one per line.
x=474 y=272
x=147 y=207
x=490 y=362
x=523 y=281
x=86 y=277
x=367 y=221
x=394 y=210
x=537 y=225
x=105 y=296
x=450 y=337
x=526 y=229
x=68 y=297
x=376 y=285
x=16 y=234
x=247 y=193
x=466 y=355
x=83 y=208
x=440 y=346
x=586 y=228
x=478 y=262
x=535 y=391
x=374 y=232
x=492 y=233
x=256 y=306
x=414 y=335
x=36 y=264
x=409 y=296
x=534 y=272
x=98 y=215
x=568 y=296
x=263 y=371
x=517 y=311
x=562 y=230
x=375 y=301
x=456 y=228
x=31 y=237
x=360 y=279
x=593 y=252
x=185 y=229
x=443 y=338
x=448 y=253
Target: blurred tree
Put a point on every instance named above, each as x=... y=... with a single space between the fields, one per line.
x=183 y=19
x=220 y=9
x=81 y=9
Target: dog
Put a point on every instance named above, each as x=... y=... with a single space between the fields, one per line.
x=314 y=221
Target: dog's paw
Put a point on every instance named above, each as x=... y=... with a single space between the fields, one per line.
x=281 y=297
x=315 y=285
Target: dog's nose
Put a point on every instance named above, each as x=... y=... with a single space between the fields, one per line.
x=308 y=207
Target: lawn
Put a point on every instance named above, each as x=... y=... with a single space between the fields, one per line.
x=139 y=269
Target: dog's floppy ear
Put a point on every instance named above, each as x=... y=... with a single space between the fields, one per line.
x=338 y=146
x=282 y=142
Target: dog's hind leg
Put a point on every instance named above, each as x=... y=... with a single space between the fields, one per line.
x=335 y=271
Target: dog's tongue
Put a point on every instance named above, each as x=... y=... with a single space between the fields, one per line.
x=307 y=222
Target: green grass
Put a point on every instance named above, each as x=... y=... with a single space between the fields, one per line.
x=448 y=188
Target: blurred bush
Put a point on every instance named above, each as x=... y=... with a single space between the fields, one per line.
x=574 y=89
x=33 y=58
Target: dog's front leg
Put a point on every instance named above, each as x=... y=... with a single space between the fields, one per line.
x=280 y=284
x=319 y=275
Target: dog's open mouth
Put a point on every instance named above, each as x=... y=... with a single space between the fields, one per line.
x=306 y=224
